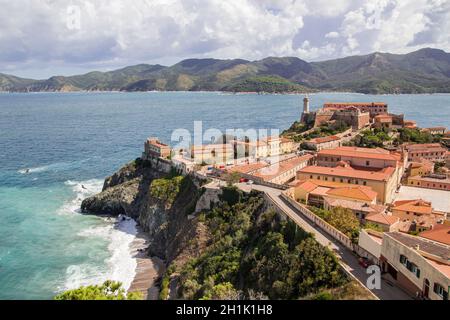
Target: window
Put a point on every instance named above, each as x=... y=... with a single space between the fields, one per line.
x=403 y=260
x=440 y=291
x=367 y=163
x=365 y=183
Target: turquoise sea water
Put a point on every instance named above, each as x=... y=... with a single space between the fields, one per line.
x=73 y=140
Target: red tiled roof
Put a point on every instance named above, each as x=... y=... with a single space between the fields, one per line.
x=418 y=205
x=382 y=175
x=382 y=218
x=440 y=233
x=357 y=152
x=325 y=139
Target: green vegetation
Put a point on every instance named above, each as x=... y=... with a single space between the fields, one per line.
x=373 y=226
x=254 y=253
x=270 y=84
x=342 y=219
x=371 y=139
x=166 y=189
x=109 y=290
x=294 y=132
x=327 y=130
x=422 y=71
x=415 y=136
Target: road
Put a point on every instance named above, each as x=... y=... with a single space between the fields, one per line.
x=347 y=258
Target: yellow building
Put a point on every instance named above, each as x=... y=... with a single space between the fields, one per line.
x=383 y=182
x=212 y=153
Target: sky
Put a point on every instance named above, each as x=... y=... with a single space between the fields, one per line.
x=42 y=38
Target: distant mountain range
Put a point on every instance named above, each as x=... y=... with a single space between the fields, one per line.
x=423 y=71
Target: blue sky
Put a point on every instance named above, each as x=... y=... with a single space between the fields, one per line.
x=40 y=38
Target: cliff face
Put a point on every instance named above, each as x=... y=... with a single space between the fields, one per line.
x=175 y=234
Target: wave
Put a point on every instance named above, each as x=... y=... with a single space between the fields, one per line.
x=82 y=190
x=121 y=266
x=57 y=166
x=119 y=233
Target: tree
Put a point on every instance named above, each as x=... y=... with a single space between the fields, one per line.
x=345 y=221
x=109 y=290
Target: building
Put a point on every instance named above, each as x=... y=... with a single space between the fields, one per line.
x=360 y=209
x=419 y=266
x=318 y=144
x=265 y=147
x=350 y=116
x=377 y=158
x=432 y=181
x=447 y=159
x=422 y=168
x=277 y=173
x=429 y=151
x=361 y=200
x=373 y=108
x=435 y=130
x=156 y=149
x=416 y=215
x=440 y=233
x=212 y=153
x=410 y=124
x=387 y=222
x=383 y=121
x=383 y=182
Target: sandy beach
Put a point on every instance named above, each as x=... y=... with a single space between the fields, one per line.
x=148 y=269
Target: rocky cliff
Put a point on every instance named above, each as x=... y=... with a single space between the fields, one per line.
x=141 y=191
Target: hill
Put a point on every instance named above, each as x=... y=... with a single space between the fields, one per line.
x=423 y=71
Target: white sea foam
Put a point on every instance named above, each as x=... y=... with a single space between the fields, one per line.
x=82 y=190
x=121 y=265
x=120 y=233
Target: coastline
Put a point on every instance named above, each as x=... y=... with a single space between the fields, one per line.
x=148 y=269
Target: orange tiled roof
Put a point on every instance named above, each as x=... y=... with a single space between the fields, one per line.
x=418 y=205
x=377 y=153
x=382 y=175
x=270 y=172
x=356 y=104
x=440 y=233
x=382 y=218
x=325 y=139
x=359 y=193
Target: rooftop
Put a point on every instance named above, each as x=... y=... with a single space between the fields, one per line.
x=270 y=172
x=358 y=192
x=248 y=168
x=356 y=104
x=325 y=139
x=355 y=205
x=382 y=218
x=424 y=147
x=438 y=250
x=440 y=199
x=356 y=152
x=417 y=205
x=382 y=175
x=440 y=233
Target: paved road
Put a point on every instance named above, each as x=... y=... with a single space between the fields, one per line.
x=347 y=259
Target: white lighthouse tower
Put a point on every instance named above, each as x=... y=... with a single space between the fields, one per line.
x=306 y=104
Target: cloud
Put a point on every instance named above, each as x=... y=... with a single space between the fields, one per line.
x=46 y=34
x=332 y=35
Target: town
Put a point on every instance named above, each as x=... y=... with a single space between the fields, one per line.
x=370 y=185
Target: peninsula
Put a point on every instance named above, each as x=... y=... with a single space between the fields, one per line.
x=303 y=215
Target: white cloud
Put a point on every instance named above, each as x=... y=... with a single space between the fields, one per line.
x=34 y=33
x=332 y=35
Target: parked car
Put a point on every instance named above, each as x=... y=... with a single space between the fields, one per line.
x=364 y=262
x=241 y=180
x=250 y=182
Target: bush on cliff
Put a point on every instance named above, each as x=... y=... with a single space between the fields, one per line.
x=109 y=290
x=166 y=189
x=253 y=250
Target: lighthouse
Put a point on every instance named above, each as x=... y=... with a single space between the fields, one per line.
x=306 y=104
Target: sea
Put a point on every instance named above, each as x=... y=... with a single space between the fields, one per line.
x=56 y=149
